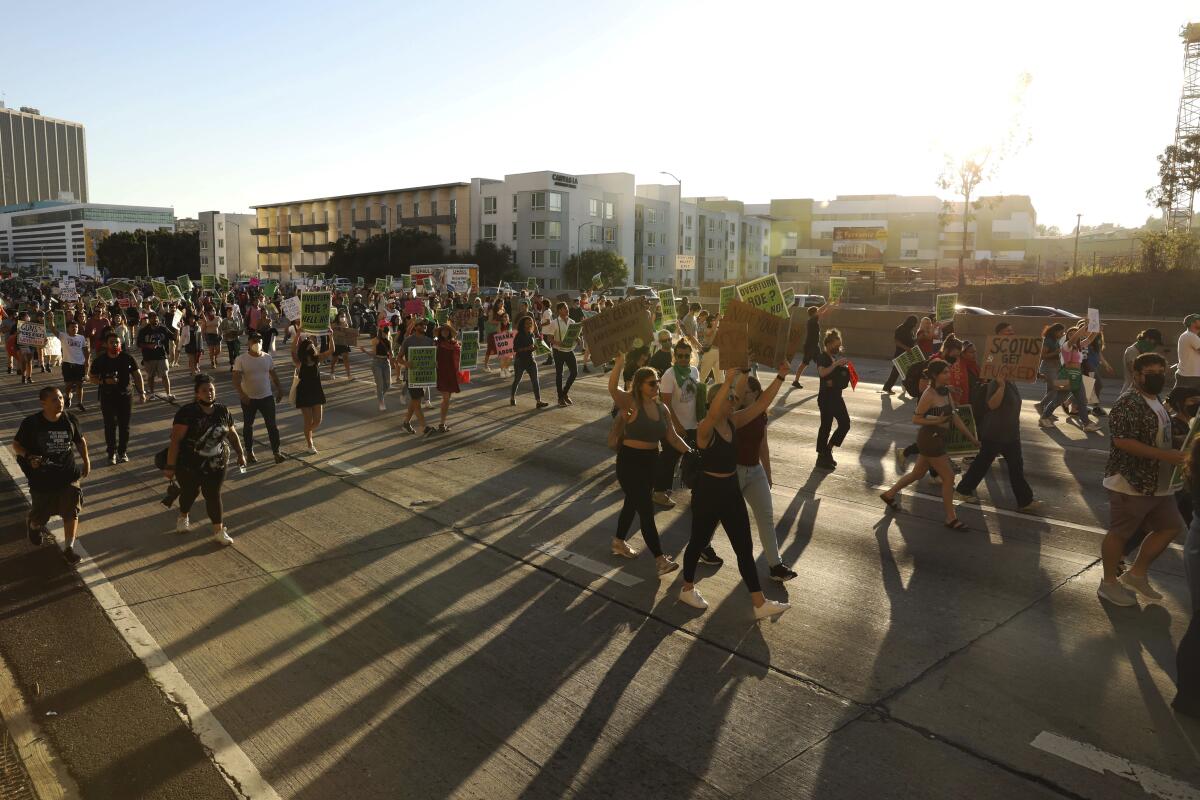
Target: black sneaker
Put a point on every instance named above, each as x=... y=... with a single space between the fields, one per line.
x=709 y=556
x=430 y=430
x=38 y=536
x=122 y=458
x=825 y=462
x=278 y=457
x=542 y=404
x=70 y=556
x=782 y=572
x=251 y=458
x=407 y=427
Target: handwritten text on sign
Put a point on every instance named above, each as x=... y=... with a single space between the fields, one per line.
x=1015 y=358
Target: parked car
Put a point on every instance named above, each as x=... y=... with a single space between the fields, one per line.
x=1040 y=311
x=807 y=300
x=343 y=284
x=976 y=310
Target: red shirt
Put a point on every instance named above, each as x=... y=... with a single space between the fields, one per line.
x=749 y=441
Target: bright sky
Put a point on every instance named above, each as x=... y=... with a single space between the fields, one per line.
x=222 y=105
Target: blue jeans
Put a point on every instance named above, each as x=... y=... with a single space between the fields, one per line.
x=382 y=370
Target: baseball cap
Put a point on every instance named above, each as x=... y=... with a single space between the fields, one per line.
x=254 y=336
x=1189 y=319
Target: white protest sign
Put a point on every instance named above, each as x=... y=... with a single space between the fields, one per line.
x=1093 y=320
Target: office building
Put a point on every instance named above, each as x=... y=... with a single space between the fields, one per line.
x=66 y=236
x=227 y=245
x=187 y=225
x=41 y=158
x=297 y=236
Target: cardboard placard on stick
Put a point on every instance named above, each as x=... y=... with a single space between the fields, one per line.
x=465 y=319
x=764 y=293
x=618 y=330
x=469 y=358
x=767 y=334
x=291 y=309
x=1014 y=358
x=943 y=308
x=504 y=344
x=345 y=336
x=733 y=345
x=314 y=312
x=727 y=293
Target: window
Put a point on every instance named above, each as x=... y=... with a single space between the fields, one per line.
x=652 y=215
x=220 y=226
x=608 y=211
x=687 y=243
x=204 y=260
x=688 y=222
x=537 y=230
x=204 y=244
x=710 y=243
x=538 y=201
x=416 y=208
x=554 y=259
x=454 y=207
x=538 y=259
x=220 y=244
x=514 y=204
x=553 y=231
x=489 y=232
x=662 y=262
x=594 y=207
x=433 y=207
x=649 y=261
x=610 y=235
x=711 y=225
x=554 y=201
x=908 y=253
x=221 y=260
x=204 y=227
x=514 y=231
x=595 y=233
x=489 y=205
x=453 y=235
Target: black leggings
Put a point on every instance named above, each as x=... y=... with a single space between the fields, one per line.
x=265 y=405
x=635 y=473
x=233 y=347
x=719 y=500
x=193 y=483
x=116 y=412
x=564 y=360
x=833 y=407
x=525 y=363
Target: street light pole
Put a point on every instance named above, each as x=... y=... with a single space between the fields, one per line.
x=579 y=249
x=146 y=242
x=1075 y=258
x=678 y=226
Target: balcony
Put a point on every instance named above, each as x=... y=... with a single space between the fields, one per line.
x=260 y=231
x=365 y=224
x=309 y=227
x=275 y=248
x=320 y=247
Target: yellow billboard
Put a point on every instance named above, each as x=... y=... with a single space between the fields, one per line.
x=859 y=249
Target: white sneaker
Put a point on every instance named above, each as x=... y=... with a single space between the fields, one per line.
x=1140 y=585
x=222 y=536
x=972 y=499
x=770 y=608
x=663 y=499
x=183 y=524
x=692 y=598
x=1116 y=594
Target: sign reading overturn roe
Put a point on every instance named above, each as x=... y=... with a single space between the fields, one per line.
x=615 y=330
x=1014 y=358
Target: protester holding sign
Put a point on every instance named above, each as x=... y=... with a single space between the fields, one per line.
x=345 y=336
x=417 y=382
x=523 y=347
x=380 y=348
x=308 y=395
x=76 y=355
x=811 y=317
x=449 y=353
x=933 y=416
x=153 y=340
x=904 y=339
x=113 y=372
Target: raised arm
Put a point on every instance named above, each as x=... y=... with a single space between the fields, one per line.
x=716 y=410
x=765 y=398
x=622 y=398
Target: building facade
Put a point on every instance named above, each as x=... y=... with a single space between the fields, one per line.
x=41 y=158
x=297 y=236
x=66 y=236
x=227 y=246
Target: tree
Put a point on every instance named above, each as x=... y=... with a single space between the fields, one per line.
x=371 y=258
x=582 y=266
x=1163 y=250
x=1052 y=230
x=1178 y=178
x=496 y=264
x=123 y=254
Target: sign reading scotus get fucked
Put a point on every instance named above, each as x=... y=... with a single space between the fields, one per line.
x=1014 y=358
x=618 y=330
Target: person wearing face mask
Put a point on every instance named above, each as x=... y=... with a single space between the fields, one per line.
x=1148 y=341
x=258 y=388
x=113 y=371
x=934 y=414
x=1138 y=479
x=683 y=393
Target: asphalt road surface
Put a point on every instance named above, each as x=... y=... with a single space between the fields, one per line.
x=441 y=617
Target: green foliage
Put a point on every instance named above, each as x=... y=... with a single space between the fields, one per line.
x=582 y=266
x=123 y=254
x=1163 y=250
x=1178 y=175
x=369 y=258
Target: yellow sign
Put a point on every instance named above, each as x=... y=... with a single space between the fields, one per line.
x=859 y=249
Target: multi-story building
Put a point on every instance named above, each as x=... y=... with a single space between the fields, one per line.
x=41 y=158
x=66 y=236
x=547 y=217
x=227 y=246
x=187 y=225
x=297 y=236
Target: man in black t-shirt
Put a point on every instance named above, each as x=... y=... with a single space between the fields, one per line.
x=904 y=339
x=45 y=445
x=113 y=371
x=154 y=340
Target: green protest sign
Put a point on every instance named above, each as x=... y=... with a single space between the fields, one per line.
x=597 y=281
x=469 y=359
x=223 y=282
x=314 y=312
x=184 y=282
x=789 y=297
x=764 y=293
x=540 y=348
x=105 y=294
x=956 y=443
x=666 y=300
x=208 y=282
x=531 y=284
x=572 y=335
x=728 y=293
x=173 y=292
x=406 y=281
x=382 y=285
x=270 y=288
x=422 y=366
x=360 y=281
x=120 y=286
x=427 y=284
x=60 y=321
x=907 y=359
x=944 y=307
x=837 y=288
x=443 y=316
x=160 y=290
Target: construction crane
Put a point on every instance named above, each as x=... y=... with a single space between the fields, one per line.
x=1187 y=124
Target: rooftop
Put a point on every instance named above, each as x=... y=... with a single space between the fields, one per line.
x=360 y=194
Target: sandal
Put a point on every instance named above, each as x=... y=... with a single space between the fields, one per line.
x=956 y=524
x=891 y=504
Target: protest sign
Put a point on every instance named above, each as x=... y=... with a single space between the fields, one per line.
x=105 y=294
x=443 y=316
x=853 y=375
x=1093 y=323
x=727 y=293
x=789 y=297
x=504 y=344
x=173 y=292
x=465 y=319
x=1014 y=358
x=160 y=290
x=732 y=345
x=531 y=284
x=571 y=336
x=223 y=283
x=60 y=321
x=469 y=358
x=184 y=282
x=619 y=329
x=67 y=291
x=208 y=282
x=666 y=300
x=120 y=286
x=540 y=348
x=123 y=302
x=597 y=281
x=905 y=361
x=767 y=334
x=31 y=334
x=382 y=285
x=346 y=336
x=314 y=312
x=764 y=293
x=290 y=309
x=360 y=281
x=427 y=284
x=415 y=308
x=943 y=310
x=956 y=443
x=837 y=287
x=270 y=288
x=406 y=281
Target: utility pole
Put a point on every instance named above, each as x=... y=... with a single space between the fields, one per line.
x=1075 y=258
x=678 y=228
x=146 y=241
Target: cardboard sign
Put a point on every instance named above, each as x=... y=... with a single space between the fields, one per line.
x=943 y=309
x=208 y=282
x=504 y=344
x=666 y=301
x=905 y=361
x=347 y=337
x=469 y=358
x=414 y=308
x=1093 y=324
x=767 y=334
x=314 y=312
x=733 y=345
x=956 y=443
x=1014 y=358
x=619 y=329
x=31 y=334
x=382 y=285
x=571 y=336
x=789 y=297
x=727 y=293
x=837 y=287
x=465 y=319
x=291 y=309
x=764 y=293
x=67 y=291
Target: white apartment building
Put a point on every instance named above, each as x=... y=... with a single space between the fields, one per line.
x=66 y=235
x=546 y=217
x=227 y=246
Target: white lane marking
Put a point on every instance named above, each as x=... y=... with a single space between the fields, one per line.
x=588 y=564
x=1085 y=755
x=233 y=764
